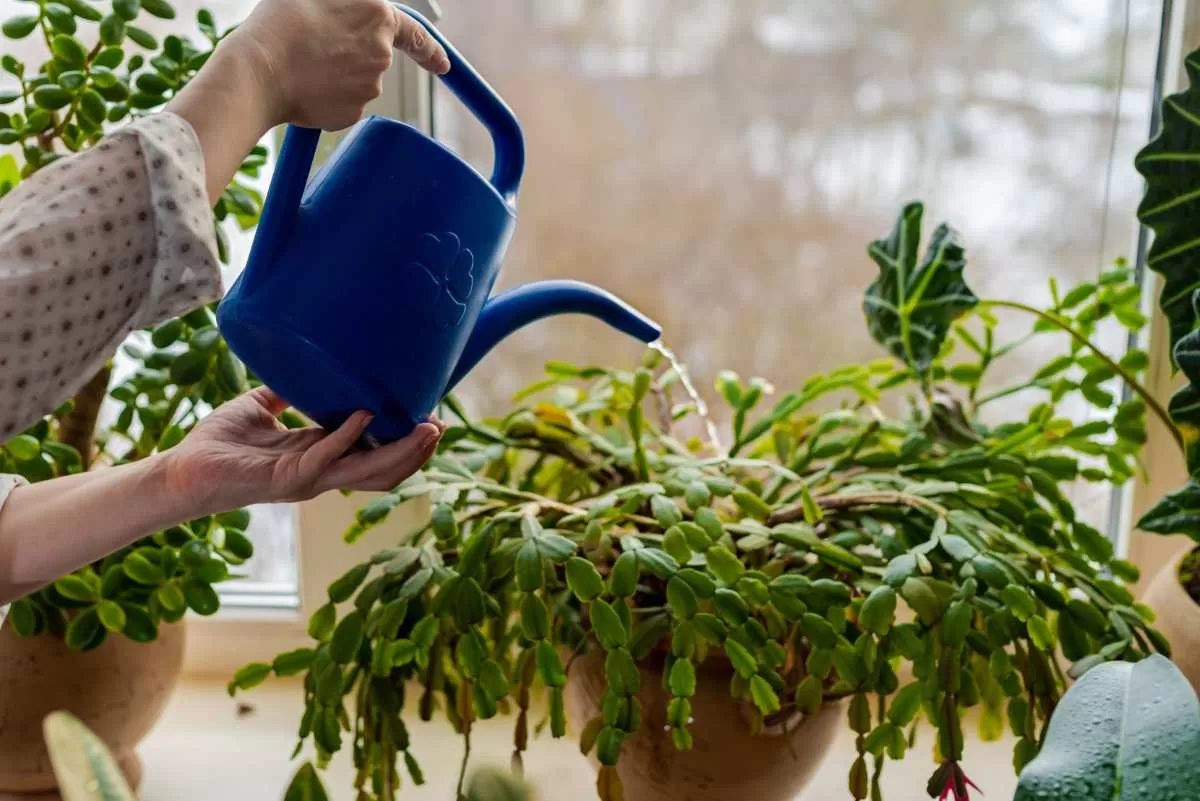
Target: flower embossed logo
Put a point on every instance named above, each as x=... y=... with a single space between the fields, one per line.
x=450 y=268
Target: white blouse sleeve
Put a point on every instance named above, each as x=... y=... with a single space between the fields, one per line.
x=92 y=247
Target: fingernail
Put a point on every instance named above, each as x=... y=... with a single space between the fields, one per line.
x=367 y=419
x=431 y=439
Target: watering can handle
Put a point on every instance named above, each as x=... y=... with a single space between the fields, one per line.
x=483 y=101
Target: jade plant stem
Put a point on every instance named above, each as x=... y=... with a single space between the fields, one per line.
x=1141 y=391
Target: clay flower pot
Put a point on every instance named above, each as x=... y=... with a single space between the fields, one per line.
x=1178 y=619
x=726 y=761
x=118 y=691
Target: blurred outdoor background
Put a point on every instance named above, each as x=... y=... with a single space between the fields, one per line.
x=723 y=165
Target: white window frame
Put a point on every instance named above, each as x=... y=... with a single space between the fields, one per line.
x=218 y=645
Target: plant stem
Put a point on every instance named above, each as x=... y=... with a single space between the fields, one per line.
x=793 y=513
x=77 y=427
x=1004 y=393
x=462 y=771
x=1132 y=382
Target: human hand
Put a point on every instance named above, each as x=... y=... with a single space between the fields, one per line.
x=322 y=61
x=241 y=455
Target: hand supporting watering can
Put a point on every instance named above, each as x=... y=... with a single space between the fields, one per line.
x=310 y=62
x=366 y=297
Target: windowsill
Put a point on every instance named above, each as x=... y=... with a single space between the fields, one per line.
x=202 y=750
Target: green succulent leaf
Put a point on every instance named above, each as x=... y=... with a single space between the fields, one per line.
x=306 y=786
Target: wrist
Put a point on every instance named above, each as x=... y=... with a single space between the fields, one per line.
x=169 y=478
x=253 y=66
x=234 y=93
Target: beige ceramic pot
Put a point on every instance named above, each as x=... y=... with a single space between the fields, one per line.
x=1178 y=619
x=118 y=691
x=726 y=761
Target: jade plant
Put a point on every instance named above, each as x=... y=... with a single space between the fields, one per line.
x=823 y=548
x=101 y=69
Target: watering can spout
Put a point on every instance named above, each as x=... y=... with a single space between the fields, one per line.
x=519 y=307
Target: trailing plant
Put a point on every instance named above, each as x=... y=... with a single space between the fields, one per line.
x=101 y=69
x=830 y=544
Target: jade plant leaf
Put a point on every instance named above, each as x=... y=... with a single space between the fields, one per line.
x=912 y=304
x=1171 y=166
x=1125 y=731
x=83 y=765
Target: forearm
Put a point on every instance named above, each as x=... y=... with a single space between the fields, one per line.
x=228 y=109
x=55 y=527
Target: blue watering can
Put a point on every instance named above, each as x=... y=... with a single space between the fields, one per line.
x=368 y=287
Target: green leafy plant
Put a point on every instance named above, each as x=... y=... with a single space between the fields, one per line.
x=829 y=545
x=101 y=68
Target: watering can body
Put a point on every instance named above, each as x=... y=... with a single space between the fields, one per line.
x=369 y=286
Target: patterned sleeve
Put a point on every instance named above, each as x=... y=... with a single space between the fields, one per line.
x=92 y=247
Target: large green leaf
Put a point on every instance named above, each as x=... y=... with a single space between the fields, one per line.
x=1171 y=205
x=1124 y=732
x=1171 y=208
x=83 y=766
x=911 y=305
x=1175 y=513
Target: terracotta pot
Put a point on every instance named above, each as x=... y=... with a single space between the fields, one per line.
x=118 y=691
x=1178 y=619
x=726 y=761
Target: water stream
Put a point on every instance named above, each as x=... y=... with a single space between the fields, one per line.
x=690 y=389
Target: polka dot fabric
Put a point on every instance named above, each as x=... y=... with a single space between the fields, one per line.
x=92 y=247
